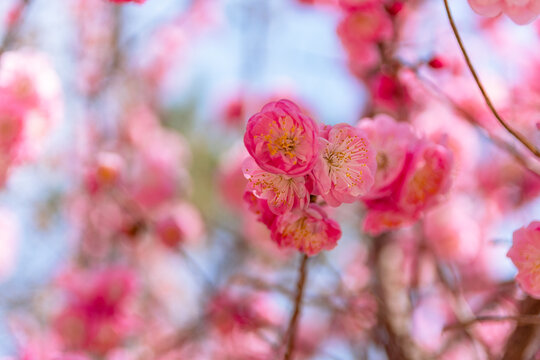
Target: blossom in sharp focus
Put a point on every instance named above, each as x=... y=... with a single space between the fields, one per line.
x=519 y=11
x=282 y=192
x=525 y=254
x=282 y=140
x=309 y=230
x=346 y=165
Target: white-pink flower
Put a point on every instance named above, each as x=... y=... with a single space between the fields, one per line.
x=309 y=230
x=282 y=192
x=346 y=165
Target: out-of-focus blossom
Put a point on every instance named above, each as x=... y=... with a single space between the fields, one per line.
x=30 y=104
x=309 y=230
x=105 y=171
x=283 y=193
x=346 y=166
x=421 y=173
x=392 y=142
x=95 y=318
x=179 y=223
x=525 y=254
x=453 y=231
x=282 y=139
x=520 y=11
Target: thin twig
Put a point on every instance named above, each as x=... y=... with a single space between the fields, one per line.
x=515 y=133
x=527 y=163
x=290 y=334
x=518 y=319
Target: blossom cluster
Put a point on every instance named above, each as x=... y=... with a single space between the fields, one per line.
x=294 y=162
x=292 y=158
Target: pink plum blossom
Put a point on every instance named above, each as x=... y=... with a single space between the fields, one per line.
x=346 y=165
x=393 y=142
x=525 y=254
x=421 y=173
x=520 y=11
x=308 y=230
x=283 y=193
x=282 y=140
x=428 y=178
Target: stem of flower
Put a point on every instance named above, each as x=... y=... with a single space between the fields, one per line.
x=290 y=334
x=514 y=133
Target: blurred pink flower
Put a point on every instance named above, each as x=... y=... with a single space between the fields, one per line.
x=95 y=318
x=309 y=230
x=393 y=142
x=346 y=165
x=421 y=173
x=282 y=139
x=525 y=254
x=179 y=223
x=520 y=11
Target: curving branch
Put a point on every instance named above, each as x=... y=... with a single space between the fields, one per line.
x=499 y=118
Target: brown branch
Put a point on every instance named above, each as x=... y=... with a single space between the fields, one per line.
x=527 y=163
x=290 y=334
x=521 y=338
x=499 y=118
x=518 y=319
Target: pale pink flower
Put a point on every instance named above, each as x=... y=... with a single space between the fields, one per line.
x=309 y=230
x=179 y=223
x=453 y=231
x=520 y=11
x=156 y=173
x=283 y=193
x=346 y=165
x=393 y=142
x=282 y=139
x=34 y=84
x=105 y=170
x=525 y=254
